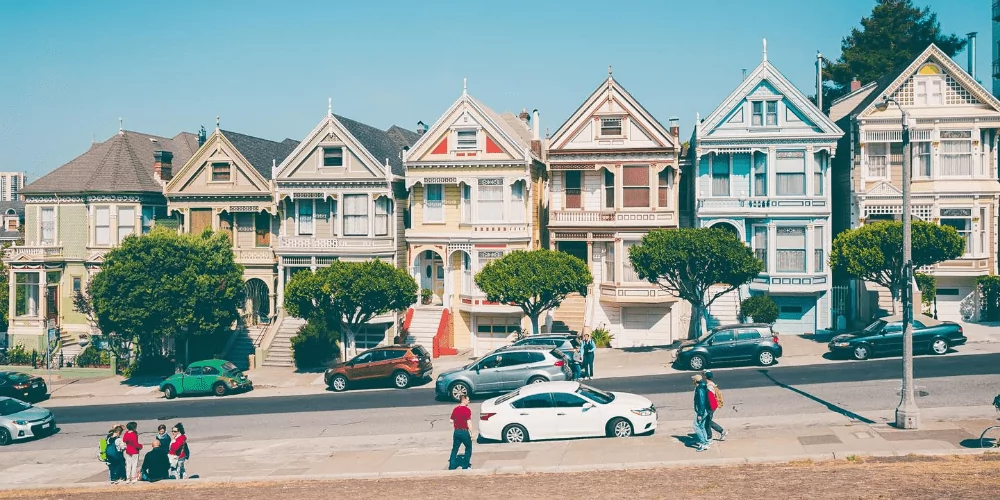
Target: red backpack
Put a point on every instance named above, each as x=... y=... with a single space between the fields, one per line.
x=713 y=402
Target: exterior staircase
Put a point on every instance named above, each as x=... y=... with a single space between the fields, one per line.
x=280 y=352
x=69 y=348
x=242 y=346
x=884 y=299
x=725 y=310
x=424 y=326
x=569 y=316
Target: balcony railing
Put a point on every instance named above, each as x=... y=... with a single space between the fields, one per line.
x=34 y=251
x=311 y=243
x=254 y=255
x=611 y=217
x=796 y=203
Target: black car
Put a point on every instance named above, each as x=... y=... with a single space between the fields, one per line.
x=884 y=336
x=753 y=342
x=565 y=342
x=22 y=386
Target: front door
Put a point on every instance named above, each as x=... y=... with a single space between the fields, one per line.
x=439 y=278
x=52 y=303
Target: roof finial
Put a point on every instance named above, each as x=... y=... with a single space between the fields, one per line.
x=765 y=49
x=216 y=122
x=465 y=86
x=121 y=125
x=609 y=71
x=329 y=106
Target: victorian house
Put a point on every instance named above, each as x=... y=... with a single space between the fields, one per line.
x=953 y=123
x=73 y=216
x=761 y=169
x=474 y=181
x=613 y=176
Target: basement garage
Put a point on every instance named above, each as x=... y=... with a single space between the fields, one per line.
x=646 y=325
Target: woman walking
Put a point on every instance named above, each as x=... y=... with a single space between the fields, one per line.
x=179 y=452
x=132 y=448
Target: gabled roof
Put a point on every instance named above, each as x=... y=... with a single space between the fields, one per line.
x=121 y=164
x=261 y=153
x=765 y=71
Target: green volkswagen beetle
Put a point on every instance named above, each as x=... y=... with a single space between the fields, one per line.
x=215 y=376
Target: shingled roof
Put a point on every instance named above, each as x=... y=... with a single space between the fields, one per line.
x=382 y=144
x=121 y=164
x=261 y=153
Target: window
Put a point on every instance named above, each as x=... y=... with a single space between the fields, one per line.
x=818 y=176
x=757 y=113
x=877 y=158
x=609 y=261
x=12 y=224
x=466 y=203
x=611 y=127
x=595 y=394
x=759 y=174
x=961 y=220
x=381 y=216
x=27 y=294
x=102 y=226
x=628 y=272
x=747 y=335
x=724 y=336
x=148 y=216
x=720 y=175
x=950 y=292
x=517 y=359
x=635 y=186
x=790 y=170
x=485 y=257
x=262 y=229
x=48 y=226
x=609 y=189
x=466 y=139
x=209 y=370
x=542 y=400
x=222 y=172
x=355 y=215
x=760 y=244
x=772 y=113
x=572 y=181
x=333 y=157
x=518 y=209
x=666 y=183
x=921 y=152
x=928 y=90
x=564 y=400
x=305 y=217
x=434 y=203
x=490 y=202
x=956 y=152
x=363 y=358
x=791 y=249
x=77 y=284
x=818 y=246
x=126 y=222
x=791 y=309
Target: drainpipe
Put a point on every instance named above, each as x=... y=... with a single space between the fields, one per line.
x=819 y=81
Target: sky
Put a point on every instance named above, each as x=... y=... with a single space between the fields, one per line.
x=70 y=69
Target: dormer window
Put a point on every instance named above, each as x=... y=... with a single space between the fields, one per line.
x=928 y=86
x=764 y=113
x=611 y=127
x=333 y=157
x=772 y=113
x=221 y=172
x=466 y=139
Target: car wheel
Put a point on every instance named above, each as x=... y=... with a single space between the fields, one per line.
x=219 y=389
x=339 y=383
x=515 y=433
x=5 y=438
x=458 y=389
x=861 y=352
x=619 y=427
x=765 y=358
x=939 y=346
x=697 y=362
x=537 y=380
x=401 y=379
x=169 y=392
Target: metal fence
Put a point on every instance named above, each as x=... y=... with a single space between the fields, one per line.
x=3 y=340
x=840 y=305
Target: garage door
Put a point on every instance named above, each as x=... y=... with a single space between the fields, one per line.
x=494 y=331
x=950 y=295
x=645 y=326
x=369 y=336
x=796 y=315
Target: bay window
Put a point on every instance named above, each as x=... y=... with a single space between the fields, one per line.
x=759 y=174
x=877 y=158
x=720 y=175
x=666 y=182
x=102 y=226
x=956 y=152
x=609 y=261
x=635 y=186
x=490 y=200
x=790 y=170
x=48 y=226
x=760 y=244
x=466 y=203
x=434 y=203
x=819 y=165
x=305 y=218
x=355 y=215
x=27 y=290
x=818 y=249
x=961 y=220
x=790 y=249
x=382 y=216
x=628 y=272
x=126 y=222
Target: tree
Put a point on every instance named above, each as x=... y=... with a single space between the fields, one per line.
x=892 y=37
x=4 y=290
x=536 y=280
x=759 y=309
x=687 y=262
x=163 y=286
x=874 y=251
x=349 y=295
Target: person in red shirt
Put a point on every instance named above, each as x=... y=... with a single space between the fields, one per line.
x=461 y=419
x=179 y=451
x=132 y=447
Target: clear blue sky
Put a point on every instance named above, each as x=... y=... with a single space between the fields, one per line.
x=71 y=68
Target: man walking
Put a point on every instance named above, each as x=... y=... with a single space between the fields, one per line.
x=588 y=348
x=701 y=409
x=710 y=423
x=461 y=420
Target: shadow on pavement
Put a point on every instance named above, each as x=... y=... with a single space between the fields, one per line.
x=653 y=348
x=832 y=407
x=688 y=440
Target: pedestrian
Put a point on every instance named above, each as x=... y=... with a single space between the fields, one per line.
x=461 y=420
x=163 y=437
x=589 y=347
x=111 y=454
x=179 y=451
x=132 y=448
x=577 y=361
x=156 y=465
x=710 y=423
x=700 y=412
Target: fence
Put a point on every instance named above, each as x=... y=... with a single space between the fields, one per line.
x=840 y=305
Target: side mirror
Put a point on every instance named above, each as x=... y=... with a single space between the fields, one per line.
x=588 y=406
x=477 y=368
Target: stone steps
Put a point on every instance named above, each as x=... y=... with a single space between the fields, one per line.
x=280 y=352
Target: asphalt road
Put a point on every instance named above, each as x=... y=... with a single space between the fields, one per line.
x=741 y=378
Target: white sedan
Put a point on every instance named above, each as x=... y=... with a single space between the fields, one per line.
x=558 y=410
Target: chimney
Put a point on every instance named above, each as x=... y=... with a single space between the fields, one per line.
x=421 y=127
x=524 y=116
x=675 y=129
x=855 y=85
x=534 y=125
x=819 y=81
x=972 y=53
x=163 y=167
x=202 y=136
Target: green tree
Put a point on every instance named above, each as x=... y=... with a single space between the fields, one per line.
x=349 y=294
x=874 y=251
x=536 y=280
x=687 y=262
x=893 y=36
x=759 y=308
x=4 y=292
x=162 y=286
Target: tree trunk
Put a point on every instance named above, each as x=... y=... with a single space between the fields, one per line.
x=696 y=326
x=534 y=323
x=896 y=299
x=346 y=341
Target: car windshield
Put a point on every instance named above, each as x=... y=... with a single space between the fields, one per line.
x=12 y=406
x=18 y=377
x=507 y=397
x=595 y=394
x=874 y=327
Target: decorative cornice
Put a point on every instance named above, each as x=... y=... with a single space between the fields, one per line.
x=93 y=198
x=616 y=158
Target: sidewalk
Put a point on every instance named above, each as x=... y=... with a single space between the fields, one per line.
x=815 y=437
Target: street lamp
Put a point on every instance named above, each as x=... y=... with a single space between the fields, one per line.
x=907 y=413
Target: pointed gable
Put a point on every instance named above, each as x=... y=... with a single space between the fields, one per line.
x=228 y=163
x=611 y=118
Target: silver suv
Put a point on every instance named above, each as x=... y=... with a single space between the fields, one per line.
x=504 y=369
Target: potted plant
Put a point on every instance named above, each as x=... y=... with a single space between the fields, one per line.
x=602 y=337
x=425 y=296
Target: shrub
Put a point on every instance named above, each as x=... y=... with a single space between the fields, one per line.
x=425 y=296
x=91 y=356
x=989 y=296
x=315 y=345
x=149 y=366
x=17 y=355
x=759 y=308
x=602 y=337
x=928 y=288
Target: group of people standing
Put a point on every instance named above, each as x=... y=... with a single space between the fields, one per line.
x=584 y=349
x=166 y=458
x=707 y=399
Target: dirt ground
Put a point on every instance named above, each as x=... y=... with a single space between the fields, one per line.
x=911 y=478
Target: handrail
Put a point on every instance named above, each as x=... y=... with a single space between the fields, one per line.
x=267 y=336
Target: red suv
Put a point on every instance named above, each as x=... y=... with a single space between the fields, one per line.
x=399 y=363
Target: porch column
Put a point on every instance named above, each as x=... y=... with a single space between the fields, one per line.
x=448 y=278
x=281 y=286
x=11 y=298
x=43 y=293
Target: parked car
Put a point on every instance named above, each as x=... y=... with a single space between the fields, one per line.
x=752 y=342
x=503 y=370
x=23 y=386
x=562 y=341
x=20 y=420
x=215 y=376
x=885 y=336
x=402 y=364
x=558 y=410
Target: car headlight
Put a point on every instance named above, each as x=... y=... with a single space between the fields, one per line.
x=232 y=383
x=21 y=422
x=645 y=412
x=686 y=348
x=841 y=344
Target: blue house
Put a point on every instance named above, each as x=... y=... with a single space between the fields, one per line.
x=761 y=165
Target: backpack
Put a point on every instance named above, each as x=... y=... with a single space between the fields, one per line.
x=713 y=402
x=102 y=450
x=718 y=394
x=111 y=450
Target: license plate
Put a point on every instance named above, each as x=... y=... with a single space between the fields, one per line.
x=34 y=386
x=46 y=426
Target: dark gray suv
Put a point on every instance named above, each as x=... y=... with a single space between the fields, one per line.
x=752 y=342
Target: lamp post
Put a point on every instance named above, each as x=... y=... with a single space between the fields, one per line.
x=907 y=413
